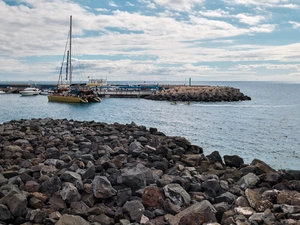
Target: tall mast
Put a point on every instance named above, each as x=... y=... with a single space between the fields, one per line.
x=70 y=53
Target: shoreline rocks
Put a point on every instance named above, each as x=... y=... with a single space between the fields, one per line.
x=199 y=94
x=59 y=171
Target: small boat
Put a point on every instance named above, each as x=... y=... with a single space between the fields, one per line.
x=45 y=92
x=2 y=92
x=30 y=91
x=71 y=93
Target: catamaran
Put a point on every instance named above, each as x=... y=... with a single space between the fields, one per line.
x=68 y=92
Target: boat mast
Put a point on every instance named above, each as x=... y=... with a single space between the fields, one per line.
x=70 y=55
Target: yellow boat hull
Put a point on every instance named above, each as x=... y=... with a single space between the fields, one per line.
x=67 y=99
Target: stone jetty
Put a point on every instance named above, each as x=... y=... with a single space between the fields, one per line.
x=59 y=171
x=200 y=94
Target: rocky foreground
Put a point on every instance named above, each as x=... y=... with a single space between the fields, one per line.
x=200 y=94
x=69 y=172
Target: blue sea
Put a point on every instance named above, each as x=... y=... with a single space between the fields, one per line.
x=266 y=128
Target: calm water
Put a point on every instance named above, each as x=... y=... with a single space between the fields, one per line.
x=267 y=127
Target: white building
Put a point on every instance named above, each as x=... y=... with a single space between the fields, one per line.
x=97 y=82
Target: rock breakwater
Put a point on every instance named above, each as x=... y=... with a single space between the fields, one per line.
x=200 y=94
x=59 y=171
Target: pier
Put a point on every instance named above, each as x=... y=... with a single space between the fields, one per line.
x=124 y=94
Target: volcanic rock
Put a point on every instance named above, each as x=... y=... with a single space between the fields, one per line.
x=59 y=171
x=199 y=93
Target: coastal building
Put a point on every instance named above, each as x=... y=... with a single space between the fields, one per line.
x=97 y=82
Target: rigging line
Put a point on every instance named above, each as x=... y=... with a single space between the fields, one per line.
x=80 y=67
x=62 y=63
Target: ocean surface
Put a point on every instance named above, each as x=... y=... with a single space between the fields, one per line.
x=266 y=128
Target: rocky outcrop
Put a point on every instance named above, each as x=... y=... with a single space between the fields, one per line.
x=72 y=172
x=200 y=94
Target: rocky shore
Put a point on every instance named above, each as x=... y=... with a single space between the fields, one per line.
x=200 y=94
x=70 y=172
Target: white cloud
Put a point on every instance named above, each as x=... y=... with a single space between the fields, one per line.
x=139 y=45
x=265 y=3
x=264 y=28
x=214 y=13
x=249 y=19
x=179 y=5
x=295 y=24
x=112 y=4
x=129 y=3
x=148 y=3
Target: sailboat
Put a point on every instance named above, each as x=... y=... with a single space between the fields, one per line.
x=68 y=92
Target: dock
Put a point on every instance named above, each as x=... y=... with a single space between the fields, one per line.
x=124 y=94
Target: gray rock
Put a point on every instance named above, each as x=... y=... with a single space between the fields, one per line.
x=212 y=187
x=89 y=173
x=192 y=159
x=290 y=209
x=17 y=203
x=226 y=197
x=36 y=216
x=79 y=208
x=233 y=161
x=215 y=157
x=134 y=209
x=32 y=186
x=50 y=186
x=102 y=187
x=70 y=193
x=52 y=153
x=123 y=196
x=252 y=197
x=21 y=142
x=134 y=178
x=250 y=180
x=204 y=206
x=73 y=178
x=71 y=219
x=171 y=208
x=57 y=204
x=5 y=214
x=177 y=194
x=35 y=203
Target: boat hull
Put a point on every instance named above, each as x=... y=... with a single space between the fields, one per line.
x=94 y=99
x=67 y=99
x=28 y=93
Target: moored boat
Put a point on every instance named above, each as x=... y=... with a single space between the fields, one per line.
x=45 y=92
x=30 y=91
x=71 y=93
x=66 y=98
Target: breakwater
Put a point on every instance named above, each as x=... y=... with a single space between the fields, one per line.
x=200 y=93
x=84 y=172
x=163 y=92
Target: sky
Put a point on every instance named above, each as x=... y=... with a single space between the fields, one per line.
x=151 y=40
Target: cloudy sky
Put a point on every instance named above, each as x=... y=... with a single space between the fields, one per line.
x=152 y=40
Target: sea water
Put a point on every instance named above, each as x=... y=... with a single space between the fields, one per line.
x=266 y=128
